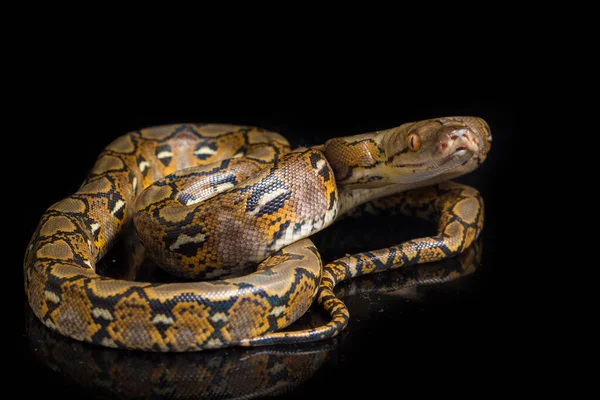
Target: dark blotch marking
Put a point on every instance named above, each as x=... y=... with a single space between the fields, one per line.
x=281 y=230
x=331 y=200
x=298 y=226
x=96 y=234
x=324 y=172
x=188 y=249
x=314 y=159
x=274 y=205
x=165 y=147
x=267 y=185
x=314 y=250
x=113 y=198
x=140 y=160
x=210 y=144
x=185 y=197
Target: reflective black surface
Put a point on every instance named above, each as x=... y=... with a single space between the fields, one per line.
x=444 y=339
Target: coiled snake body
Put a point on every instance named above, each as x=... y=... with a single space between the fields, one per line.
x=211 y=200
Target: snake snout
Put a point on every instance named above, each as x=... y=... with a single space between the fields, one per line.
x=465 y=133
x=458 y=140
x=481 y=130
x=479 y=127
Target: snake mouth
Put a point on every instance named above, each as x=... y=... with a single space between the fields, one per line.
x=460 y=152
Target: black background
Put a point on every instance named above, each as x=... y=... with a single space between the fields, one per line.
x=454 y=344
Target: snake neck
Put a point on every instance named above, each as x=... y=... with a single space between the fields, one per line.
x=362 y=172
x=358 y=163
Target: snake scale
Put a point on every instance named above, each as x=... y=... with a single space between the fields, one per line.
x=235 y=206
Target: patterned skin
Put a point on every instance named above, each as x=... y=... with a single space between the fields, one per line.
x=236 y=373
x=210 y=200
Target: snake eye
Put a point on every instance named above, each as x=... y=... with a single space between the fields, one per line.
x=414 y=142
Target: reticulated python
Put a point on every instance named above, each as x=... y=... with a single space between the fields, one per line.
x=210 y=200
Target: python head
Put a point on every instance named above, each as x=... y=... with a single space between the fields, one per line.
x=414 y=154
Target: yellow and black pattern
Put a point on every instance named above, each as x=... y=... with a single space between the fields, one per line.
x=211 y=200
x=236 y=373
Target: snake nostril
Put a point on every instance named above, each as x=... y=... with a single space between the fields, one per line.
x=454 y=137
x=444 y=145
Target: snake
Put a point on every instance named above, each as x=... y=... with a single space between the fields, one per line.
x=229 y=210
